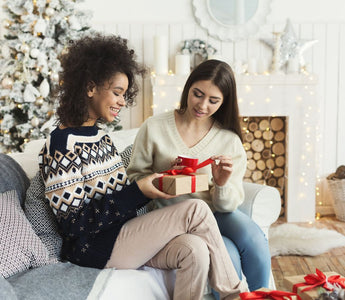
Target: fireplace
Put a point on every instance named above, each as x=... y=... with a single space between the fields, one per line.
x=292 y=100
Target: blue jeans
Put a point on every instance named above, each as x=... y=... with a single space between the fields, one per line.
x=247 y=247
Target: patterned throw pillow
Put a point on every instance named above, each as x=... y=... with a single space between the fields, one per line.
x=20 y=247
x=126 y=155
x=41 y=217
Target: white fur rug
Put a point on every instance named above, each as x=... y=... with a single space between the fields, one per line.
x=291 y=239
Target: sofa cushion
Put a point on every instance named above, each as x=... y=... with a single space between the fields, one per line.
x=41 y=217
x=20 y=247
x=6 y=290
x=12 y=177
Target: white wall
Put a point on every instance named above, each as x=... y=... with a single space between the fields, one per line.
x=323 y=20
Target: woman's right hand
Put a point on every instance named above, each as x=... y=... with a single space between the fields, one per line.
x=149 y=190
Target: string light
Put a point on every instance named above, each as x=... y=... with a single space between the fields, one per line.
x=305 y=107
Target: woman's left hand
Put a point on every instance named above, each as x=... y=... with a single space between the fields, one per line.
x=222 y=171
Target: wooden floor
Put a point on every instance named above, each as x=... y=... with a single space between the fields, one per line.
x=333 y=260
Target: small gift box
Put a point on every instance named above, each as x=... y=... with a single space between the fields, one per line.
x=306 y=286
x=264 y=293
x=182 y=184
x=183 y=181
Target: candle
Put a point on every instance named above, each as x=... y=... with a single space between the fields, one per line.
x=252 y=66
x=161 y=54
x=262 y=65
x=182 y=64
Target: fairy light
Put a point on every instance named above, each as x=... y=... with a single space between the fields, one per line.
x=306 y=109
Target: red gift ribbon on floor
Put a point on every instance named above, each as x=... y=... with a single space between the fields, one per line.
x=319 y=279
x=185 y=171
x=276 y=295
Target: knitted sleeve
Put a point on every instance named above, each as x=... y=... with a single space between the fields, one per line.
x=228 y=197
x=141 y=162
x=88 y=196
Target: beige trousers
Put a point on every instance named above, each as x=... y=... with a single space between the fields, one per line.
x=185 y=237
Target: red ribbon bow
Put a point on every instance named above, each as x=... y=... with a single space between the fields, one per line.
x=319 y=279
x=276 y=295
x=185 y=171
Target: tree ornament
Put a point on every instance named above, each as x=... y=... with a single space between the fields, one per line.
x=54 y=76
x=30 y=93
x=40 y=27
x=44 y=88
x=24 y=48
x=35 y=121
x=49 y=11
x=39 y=101
x=34 y=53
x=6 y=23
x=17 y=74
x=7 y=83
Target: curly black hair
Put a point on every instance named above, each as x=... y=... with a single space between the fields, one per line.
x=93 y=59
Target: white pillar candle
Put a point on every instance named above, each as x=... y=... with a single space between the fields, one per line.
x=161 y=54
x=182 y=64
x=262 y=65
x=252 y=66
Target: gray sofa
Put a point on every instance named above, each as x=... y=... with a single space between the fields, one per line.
x=54 y=279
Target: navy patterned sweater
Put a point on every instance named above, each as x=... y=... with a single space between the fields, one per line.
x=88 y=191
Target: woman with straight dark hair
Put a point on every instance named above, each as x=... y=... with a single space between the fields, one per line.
x=207 y=125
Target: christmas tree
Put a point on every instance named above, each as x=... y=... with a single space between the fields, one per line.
x=36 y=33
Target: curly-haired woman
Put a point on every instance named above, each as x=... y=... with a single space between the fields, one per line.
x=94 y=203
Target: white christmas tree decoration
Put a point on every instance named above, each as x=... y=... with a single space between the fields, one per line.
x=36 y=32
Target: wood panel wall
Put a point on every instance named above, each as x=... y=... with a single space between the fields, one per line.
x=326 y=59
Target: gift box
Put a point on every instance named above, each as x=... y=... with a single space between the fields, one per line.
x=306 y=286
x=182 y=184
x=265 y=293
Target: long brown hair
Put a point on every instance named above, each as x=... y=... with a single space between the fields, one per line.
x=222 y=76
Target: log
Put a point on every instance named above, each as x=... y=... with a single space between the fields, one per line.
x=281 y=182
x=266 y=154
x=252 y=126
x=279 y=136
x=272 y=181
x=282 y=211
x=278 y=172
x=249 y=154
x=260 y=164
x=267 y=173
x=249 y=137
x=280 y=161
x=247 y=180
x=268 y=135
x=270 y=163
x=248 y=173
x=268 y=144
x=258 y=145
x=278 y=148
x=258 y=134
x=277 y=124
x=257 y=155
x=256 y=175
x=251 y=165
x=264 y=124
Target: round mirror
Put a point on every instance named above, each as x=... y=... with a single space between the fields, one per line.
x=231 y=20
x=232 y=12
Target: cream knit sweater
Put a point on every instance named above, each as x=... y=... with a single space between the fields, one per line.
x=158 y=143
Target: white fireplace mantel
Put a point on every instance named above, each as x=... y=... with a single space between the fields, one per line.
x=293 y=96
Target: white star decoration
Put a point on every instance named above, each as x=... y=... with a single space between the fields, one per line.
x=291 y=47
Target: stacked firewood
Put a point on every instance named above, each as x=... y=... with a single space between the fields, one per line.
x=265 y=145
